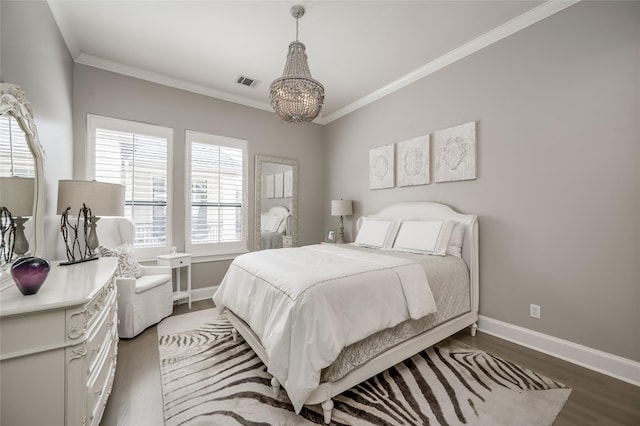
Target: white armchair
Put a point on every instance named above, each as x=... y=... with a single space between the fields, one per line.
x=142 y=301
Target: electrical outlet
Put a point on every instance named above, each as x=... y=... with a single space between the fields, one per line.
x=534 y=311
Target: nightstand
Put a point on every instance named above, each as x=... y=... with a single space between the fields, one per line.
x=287 y=241
x=177 y=261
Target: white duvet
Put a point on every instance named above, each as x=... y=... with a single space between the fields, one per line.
x=306 y=304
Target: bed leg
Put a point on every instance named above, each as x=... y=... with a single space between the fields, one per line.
x=327 y=406
x=275 y=384
x=234 y=335
x=474 y=329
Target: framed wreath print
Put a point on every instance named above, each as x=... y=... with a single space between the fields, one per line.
x=455 y=153
x=270 y=186
x=278 y=185
x=413 y=161
x=381 y=167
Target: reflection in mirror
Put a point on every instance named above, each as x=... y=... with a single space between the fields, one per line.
x=276 y=202
x=21 y=180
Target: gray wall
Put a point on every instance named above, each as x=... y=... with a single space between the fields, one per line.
x=558 y=188
x=114 y=95
x=35 y=57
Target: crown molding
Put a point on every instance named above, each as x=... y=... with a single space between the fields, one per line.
x=166 y=80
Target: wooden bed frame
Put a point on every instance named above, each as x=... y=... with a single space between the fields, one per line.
x=400 y=211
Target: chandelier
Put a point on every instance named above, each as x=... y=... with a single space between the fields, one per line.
x=296 y=97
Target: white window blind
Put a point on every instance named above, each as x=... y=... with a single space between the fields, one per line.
x=217 y=190
x=15 y=156
x=130 y=154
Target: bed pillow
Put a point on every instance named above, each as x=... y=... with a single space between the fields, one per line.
x=457 y=238
x=429 y=237
x=128 y=266
x=376 y=233
x=269 y=223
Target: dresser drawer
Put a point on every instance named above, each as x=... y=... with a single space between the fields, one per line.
x=100 y=341
x=100 y=383
x=102 y=301
x=82 y=320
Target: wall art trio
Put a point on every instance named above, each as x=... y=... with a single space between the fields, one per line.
x=454 y=159
x=279 y=185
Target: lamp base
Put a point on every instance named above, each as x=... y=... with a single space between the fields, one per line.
x=86 y=259
x=341 y=233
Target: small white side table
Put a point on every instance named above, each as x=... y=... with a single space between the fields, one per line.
x=177 y=261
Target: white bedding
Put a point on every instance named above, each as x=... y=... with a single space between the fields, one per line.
x=306 y=304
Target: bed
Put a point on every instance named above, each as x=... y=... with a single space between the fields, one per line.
x=309 y=322
x=274 y=224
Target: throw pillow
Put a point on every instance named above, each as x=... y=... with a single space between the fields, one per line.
x=128 y=266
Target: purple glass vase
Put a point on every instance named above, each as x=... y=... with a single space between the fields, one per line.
x=29 y=274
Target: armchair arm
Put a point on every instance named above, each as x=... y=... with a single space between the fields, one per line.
x=126 y=287
x=154 y=270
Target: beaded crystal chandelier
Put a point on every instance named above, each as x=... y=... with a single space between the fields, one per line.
x=296 y=97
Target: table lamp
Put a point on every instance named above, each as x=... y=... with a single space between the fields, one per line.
x=89 y=199
x=16 y=202
x=341 y=208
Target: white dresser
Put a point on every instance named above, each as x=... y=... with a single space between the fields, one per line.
x=58 y=348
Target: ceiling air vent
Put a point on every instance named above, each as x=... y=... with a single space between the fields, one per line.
x=246 y=81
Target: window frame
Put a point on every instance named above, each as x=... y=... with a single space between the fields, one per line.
x=216 y=249
x=96 y=121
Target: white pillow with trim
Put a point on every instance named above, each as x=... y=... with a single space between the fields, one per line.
x=376 y=233
x=428 y=237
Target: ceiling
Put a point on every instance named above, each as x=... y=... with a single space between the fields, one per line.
x=359 y=50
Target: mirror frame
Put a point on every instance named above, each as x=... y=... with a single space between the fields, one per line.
x=260 y=158
x=13 y=102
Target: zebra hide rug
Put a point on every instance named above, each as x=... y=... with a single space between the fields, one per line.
x=207 y=379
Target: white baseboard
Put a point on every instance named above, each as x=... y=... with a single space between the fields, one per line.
x=612 y=365
x=203 y=293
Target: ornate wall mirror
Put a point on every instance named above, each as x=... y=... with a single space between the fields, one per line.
x=276 y=203
x=22 y=187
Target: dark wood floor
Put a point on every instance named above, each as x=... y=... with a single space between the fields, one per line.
x=596 y=399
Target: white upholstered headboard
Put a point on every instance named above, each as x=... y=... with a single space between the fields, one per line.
x=278 y=211
x=427 y=210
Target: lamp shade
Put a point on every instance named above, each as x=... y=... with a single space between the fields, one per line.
x=104 y=199
x=16 y=194
x=341 y=208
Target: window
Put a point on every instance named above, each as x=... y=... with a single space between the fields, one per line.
x=216 y=170
x=136 y=155
x=15 y=156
